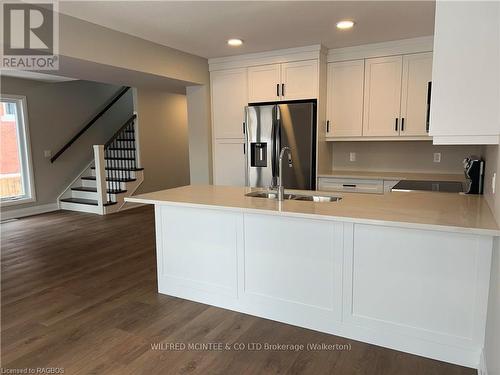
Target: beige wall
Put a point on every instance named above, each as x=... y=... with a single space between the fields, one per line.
x=492 y=345
x=163 y=139
x=103 y=52
x=56 y=112
x=401 y=156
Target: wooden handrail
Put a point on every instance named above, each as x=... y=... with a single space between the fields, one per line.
x=90 y=123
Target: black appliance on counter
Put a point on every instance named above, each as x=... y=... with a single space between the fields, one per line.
x=474 y=174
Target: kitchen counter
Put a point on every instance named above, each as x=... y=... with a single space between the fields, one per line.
x=420 y=210
x=393 y=175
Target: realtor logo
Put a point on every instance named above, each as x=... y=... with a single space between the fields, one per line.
x=30 y=36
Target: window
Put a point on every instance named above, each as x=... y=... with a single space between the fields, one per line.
x=16 y=177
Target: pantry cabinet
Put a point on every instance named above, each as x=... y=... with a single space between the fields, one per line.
x=229 y=98
x=285 y=81
x=344 y=111
x=229 y=162
x=382 y=96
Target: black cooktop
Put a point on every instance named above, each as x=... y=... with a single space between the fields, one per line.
x=443 y=186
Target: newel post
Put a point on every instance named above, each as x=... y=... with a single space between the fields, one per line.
x=100 y=177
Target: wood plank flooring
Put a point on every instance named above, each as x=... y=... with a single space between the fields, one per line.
x=79 y=293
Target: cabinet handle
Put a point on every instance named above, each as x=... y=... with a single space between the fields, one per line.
x=244 y=148
x=396 y=125
x=328 y=126
x=282 y=89
x=277 y=89
x=349 y=185
x=428 y=116
x=403 y=124
x=243 y=128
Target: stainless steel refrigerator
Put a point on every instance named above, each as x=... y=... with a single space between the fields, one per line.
x=271 y=127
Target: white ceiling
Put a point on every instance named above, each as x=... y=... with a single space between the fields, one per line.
x=202 y=27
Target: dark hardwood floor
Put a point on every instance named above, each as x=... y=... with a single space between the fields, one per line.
x=79 y=293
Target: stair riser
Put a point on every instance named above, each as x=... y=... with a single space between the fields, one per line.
x=110 y=185
x=119 y=163
x=80 y=207
x=119 y=174
x=89 y=195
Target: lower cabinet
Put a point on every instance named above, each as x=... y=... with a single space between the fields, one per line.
x=419 y=291
x=351 y=185
x=229 y=162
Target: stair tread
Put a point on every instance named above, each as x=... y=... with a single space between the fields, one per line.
x=110 y=179
x=94 y=190
x=112 y=158
x=125 y=139
x=121 y=148
x=90 y=202
x=122 y=169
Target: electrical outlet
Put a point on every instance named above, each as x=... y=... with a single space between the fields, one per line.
x=47 y=153
x=437 y=157
x=493 y=183
x=352 y=156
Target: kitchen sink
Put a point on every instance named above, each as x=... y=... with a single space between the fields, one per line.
x=295 y=197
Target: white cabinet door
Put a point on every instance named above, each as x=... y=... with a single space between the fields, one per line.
x=229 y=162
x=299 y=80
x=417 y=74
x=345 y=99
x=264 y=83
x=382 y=96
x=229 y=98
x=465 y=103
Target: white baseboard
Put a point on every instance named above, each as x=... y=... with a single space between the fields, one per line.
x=28 y=211
x=482 y=369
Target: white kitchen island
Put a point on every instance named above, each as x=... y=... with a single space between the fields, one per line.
x=408 y=271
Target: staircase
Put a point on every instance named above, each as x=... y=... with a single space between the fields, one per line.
x=114 y=174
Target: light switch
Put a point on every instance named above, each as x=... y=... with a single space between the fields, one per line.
x=437 y=157
x=352 y=156
x=47 y=153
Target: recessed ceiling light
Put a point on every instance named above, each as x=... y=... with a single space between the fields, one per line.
x=345 y=24
x=235 y=42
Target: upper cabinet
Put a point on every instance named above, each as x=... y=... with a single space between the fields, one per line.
x=229 y=98
x=299 y=80
x=465 y=103
x=264 y=83
x=415 y=94
x=344 y=111
x=379 y=98
x=286 y=81
x=382 y=96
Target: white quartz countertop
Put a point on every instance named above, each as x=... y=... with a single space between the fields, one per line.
x=381 y=175
x=421 y=210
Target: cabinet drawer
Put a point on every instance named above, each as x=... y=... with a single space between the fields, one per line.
x=351 y=185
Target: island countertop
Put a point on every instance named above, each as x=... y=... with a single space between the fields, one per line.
x=450 y=212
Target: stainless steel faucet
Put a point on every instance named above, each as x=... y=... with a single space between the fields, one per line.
x=281 y=188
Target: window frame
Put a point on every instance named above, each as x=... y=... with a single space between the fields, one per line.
x=26 y=160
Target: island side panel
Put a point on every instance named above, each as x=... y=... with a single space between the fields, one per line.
x=292 y=270
x=197 y=253
x=424 y=292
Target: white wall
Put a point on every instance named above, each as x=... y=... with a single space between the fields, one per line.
x=401 y=156
x=492 y=345
x=56 y=112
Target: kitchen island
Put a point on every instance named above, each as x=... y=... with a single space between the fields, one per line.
x=404 y=270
